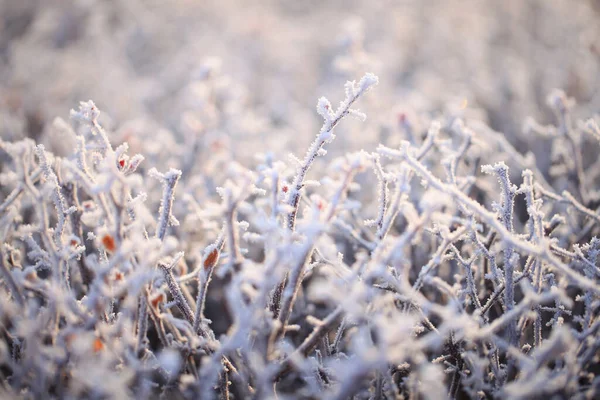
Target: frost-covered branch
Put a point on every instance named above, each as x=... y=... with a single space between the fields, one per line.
x=331 y=119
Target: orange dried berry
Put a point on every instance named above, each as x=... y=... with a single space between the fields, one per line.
x=156 y=300
x=211 y=259
x=118 y=276
x=108 y=242
x=401 y=118
x=98 y=345
x=321 y=205
x=73 y=242
x=31 y=276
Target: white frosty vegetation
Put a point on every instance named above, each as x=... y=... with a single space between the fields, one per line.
x=412 y=271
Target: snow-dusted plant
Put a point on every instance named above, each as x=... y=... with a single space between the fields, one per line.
x=397 y=272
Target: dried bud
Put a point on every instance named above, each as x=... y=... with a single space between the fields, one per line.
x=157 y=299
x=108 y=242
x=98 y=345
x=211 y=259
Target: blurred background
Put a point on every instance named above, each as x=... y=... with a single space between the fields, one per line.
x=246 y=73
